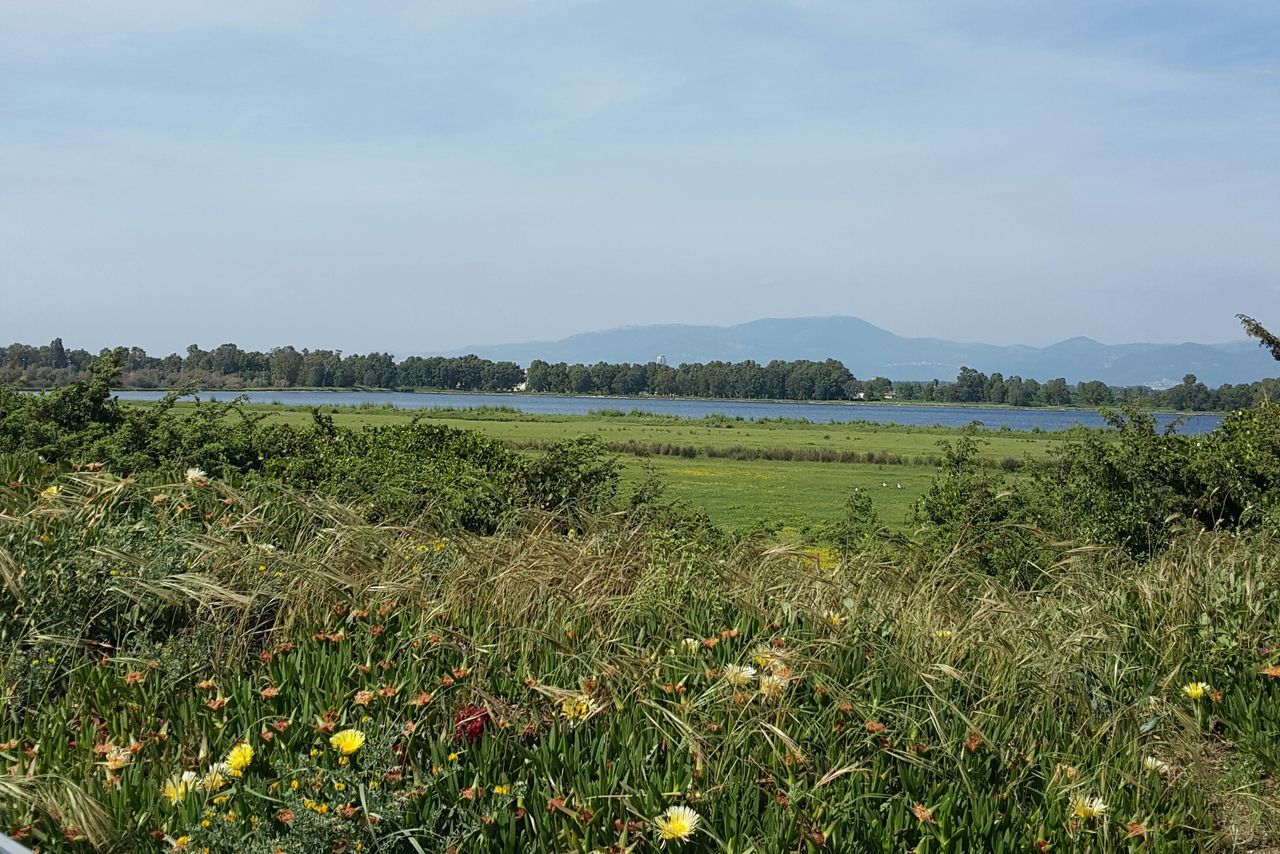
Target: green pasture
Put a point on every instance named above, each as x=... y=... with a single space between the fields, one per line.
x=733 y=492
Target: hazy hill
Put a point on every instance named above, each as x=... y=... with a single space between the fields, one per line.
x=870 y=351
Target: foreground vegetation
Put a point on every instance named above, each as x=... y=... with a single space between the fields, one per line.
x=556 y=692
x=223 y=634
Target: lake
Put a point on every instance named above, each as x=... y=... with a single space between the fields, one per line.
x=840 y=412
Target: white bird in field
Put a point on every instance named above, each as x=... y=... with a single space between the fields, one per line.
x=899 y=486
x=882 y=483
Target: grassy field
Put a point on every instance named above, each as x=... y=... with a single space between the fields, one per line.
x=188 y=666
x=734 y=492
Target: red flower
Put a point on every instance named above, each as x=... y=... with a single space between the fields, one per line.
x=469 y=724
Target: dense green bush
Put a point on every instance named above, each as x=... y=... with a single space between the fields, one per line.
x=455 y=477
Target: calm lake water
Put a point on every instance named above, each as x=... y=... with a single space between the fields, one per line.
x=921 y=416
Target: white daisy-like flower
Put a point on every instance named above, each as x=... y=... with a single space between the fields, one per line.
x=677 y=824
x=195 y=475
x=1084 y=807
x=739 y=675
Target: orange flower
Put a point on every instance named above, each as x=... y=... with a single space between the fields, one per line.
x=974 y=742
x=133 y=677
x=387 y=691
x=268 y=692
x=285 y=816
x=923 y=813
x=1136 y=828
x=216 y=703
x=206 y=685
x=363 y=698
x=874 y=727
x=423 y=699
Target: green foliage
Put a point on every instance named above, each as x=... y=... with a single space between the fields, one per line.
x=932 y=707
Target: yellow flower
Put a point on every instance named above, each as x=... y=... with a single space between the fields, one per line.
x=204 y=822
x=692 y=645
x=293 y=784
x=49 y=492
x=220 y=800
x=677 y=824
x=181 y=842
x=739 y=675
x=213 y=779
x=942 y=633
x=347 y=742
x=240 y=757
x=502 y=790
x=339 y=787
x=771 y=686
x=1084 y=807
x=834 y=619
x=453 y=757
x=579 y=708
x=763 y=655
x=1196 y=690
x=178 y=786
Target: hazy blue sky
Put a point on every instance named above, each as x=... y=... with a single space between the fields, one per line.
x=421 y=176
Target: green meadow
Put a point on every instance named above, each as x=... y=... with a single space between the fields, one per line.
x=795 y=493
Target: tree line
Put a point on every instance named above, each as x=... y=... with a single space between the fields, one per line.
x=230 y=367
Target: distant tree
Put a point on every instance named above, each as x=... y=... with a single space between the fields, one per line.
x=1094 y=393
x=57 y=354
x=1255 y=330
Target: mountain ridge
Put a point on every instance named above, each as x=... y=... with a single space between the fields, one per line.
x=869 y=350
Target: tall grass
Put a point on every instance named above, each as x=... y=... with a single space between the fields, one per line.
x=912 y=703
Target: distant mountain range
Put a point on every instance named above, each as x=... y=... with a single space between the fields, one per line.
x=869 y=351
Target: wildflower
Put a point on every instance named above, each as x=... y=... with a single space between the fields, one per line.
x=363 y=698
x=118 y=758
x=134 y=677
x=501 y=790
x=1084 y=807
x=452 y=757
x=285 y=816
x=677 y=824
x=771 y=687
x=181 y=843
x=1159 y=766
x=49 y=492
x=739 y=675
x=469 y=724
x=1273 y=671
x=923 y=813
x=1196 y=690
x=239 y=759
x=347 y=742
x=197 y=476
x=763 y=656
x=692 y=645
x=834 y=618
x=942 y=634
x=579 y=708
x=214 y=780
x=178 y=786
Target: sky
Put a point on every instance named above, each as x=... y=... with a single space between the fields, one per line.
x=417 y=177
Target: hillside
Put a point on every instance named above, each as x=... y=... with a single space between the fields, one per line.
x=871 y=351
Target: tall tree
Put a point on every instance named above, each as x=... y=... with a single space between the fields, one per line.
x=1255 y=330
